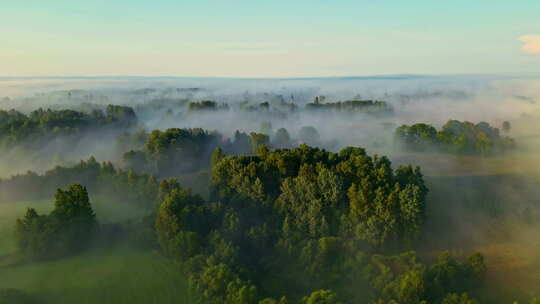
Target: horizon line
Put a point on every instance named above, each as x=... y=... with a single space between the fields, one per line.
x=372 y=76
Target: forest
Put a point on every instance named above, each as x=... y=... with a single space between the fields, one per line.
x=289 y=195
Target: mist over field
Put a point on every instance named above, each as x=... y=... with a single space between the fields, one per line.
x=222 y=190
x=162 y=103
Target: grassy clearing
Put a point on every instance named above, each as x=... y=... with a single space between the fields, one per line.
x=483 y=204
x=115 y=275
x=438 y=164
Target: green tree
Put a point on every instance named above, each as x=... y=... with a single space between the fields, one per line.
x=308 y=135
x=257 y=140
x=455 y=298
x=282 y=139
x=219 y=284
x=506 y=126
x=67 y=229
x=181 y=223
x=322 y=296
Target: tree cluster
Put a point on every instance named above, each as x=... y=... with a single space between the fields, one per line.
x=66 y=230
x=41 y=126
x=355 y=105
x=308 y=226
x=174 y=151
x=454 y=137
x=206 y=105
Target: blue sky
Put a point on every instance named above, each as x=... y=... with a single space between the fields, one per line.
x=268 y=38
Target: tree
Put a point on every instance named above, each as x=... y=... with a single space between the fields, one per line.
x=309 y=135
x=216 y=156
x=323 y=296
x=67 y=229
x=282 y=300
x=282 y=139
x=241 y=143
x=506 y=126
x=417 y=137
x=257 y=140
x=73 y=204
x=219 y=284
x=73 y=210
x=455 y=298
x=455 y=137
x=181 y=223
x=179 y=150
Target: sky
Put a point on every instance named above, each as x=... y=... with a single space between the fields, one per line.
x=277 y=38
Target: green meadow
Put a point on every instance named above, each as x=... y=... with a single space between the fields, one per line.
x=114 y=275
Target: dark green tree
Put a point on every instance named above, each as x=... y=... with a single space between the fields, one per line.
x=321 y=297
x=66 y=230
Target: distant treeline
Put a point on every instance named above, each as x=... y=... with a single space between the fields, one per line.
x=356 y=105
x=42 y=126
x=454 y=137
x=207 y=105
x=281 y=108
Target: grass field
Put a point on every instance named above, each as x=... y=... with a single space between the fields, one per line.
x=477 y=204
x=115 y=275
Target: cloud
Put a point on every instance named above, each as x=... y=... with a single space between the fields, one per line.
x=532 y=44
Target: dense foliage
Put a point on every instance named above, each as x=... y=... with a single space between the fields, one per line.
x=300 y=225
x=454 y=137
x=347 y=194
x=67 y=229
x=175 y=151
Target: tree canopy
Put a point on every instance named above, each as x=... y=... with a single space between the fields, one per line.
x=454 y=137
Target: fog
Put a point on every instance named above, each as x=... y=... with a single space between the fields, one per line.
x=161 y=103
x=475 y=203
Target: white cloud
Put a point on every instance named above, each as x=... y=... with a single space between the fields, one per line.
x=532 y=44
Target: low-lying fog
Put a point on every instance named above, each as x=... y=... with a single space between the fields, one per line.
x=161 y=103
